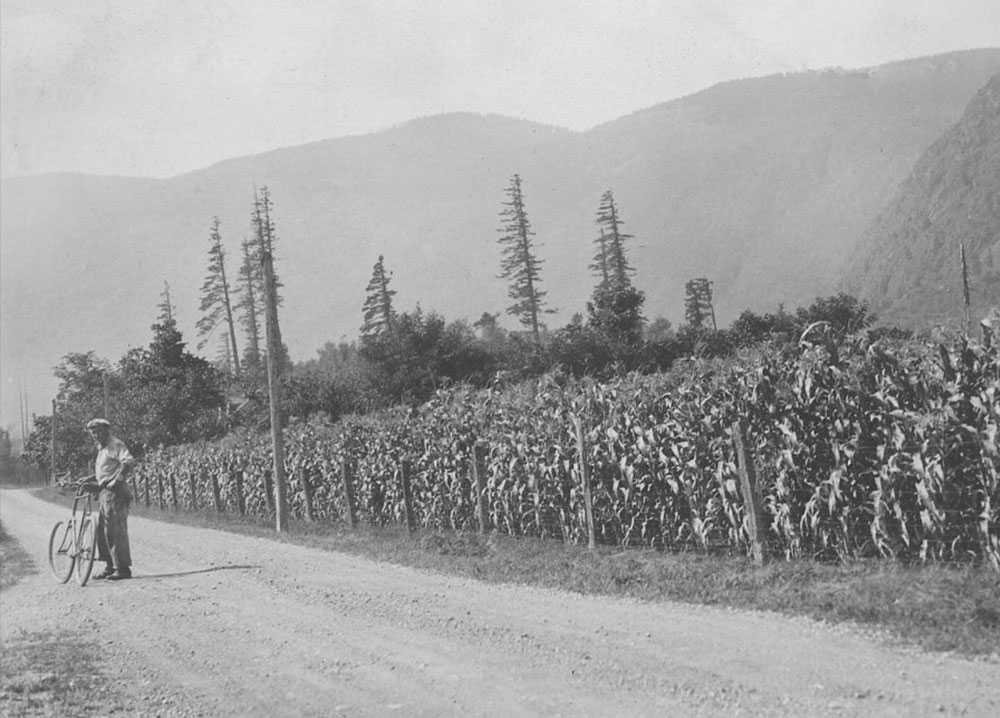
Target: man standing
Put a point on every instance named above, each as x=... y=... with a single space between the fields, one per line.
x=112 y=464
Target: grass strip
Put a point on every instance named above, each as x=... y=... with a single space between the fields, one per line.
x=49 y=674
x=15 y=563
x=45 y=674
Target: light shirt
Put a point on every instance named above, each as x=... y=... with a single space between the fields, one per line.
x=110 y=458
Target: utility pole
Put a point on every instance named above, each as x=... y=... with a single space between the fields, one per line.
x=274 y=387
x=107 y=411
x=22 y=401
x=25 y=424
x=965 y=292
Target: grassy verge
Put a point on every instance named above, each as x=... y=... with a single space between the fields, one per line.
x=45 y=674
x=934 y=607
x=56 y=675
x=15 y=563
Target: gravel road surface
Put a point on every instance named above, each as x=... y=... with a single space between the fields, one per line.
x=216 y=624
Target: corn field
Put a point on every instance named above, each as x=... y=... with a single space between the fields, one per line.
x=861 y=450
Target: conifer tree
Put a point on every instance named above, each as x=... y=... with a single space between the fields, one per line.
x=167 y=346
x=518 y=261
x=266 y=241
x=215 y=297
x=698 y=303
x=165 y=306
x=249 y=304
x=615 y=309
x=378 y=312
x=600 y=265
x=611 y=258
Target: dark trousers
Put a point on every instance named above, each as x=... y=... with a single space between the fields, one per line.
x=112 y=527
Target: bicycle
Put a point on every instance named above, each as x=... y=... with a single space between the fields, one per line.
x=73 y=543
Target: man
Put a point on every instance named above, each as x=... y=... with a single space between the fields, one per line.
x=113 y=462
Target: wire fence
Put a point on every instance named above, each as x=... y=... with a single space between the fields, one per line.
x=862 y=454
x=17 y=473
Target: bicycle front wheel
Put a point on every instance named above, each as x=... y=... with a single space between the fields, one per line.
x=87 y=546
x=61 y=558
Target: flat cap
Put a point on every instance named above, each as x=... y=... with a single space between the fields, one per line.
x=94 y=423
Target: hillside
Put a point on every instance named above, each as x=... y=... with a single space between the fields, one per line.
x=762 y=185
x=908 y=263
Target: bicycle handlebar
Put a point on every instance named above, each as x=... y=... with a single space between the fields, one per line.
x=83 y=484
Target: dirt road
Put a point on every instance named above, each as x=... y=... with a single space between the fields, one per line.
x=217 y=624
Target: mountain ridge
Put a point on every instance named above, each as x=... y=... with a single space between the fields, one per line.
x=763 y=187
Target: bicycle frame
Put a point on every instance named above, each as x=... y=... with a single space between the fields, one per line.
x=73 y=543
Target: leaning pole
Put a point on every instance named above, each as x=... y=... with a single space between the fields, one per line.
x=274 y=391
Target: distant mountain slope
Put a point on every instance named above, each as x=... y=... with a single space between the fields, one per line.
x=762 y=185
x=908 y=263
x=766 y=185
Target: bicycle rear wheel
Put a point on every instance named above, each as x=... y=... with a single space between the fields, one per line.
x=88 y=548
x=61 y=558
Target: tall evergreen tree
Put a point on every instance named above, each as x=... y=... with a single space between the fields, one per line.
x=698 y=306
x=167 y=345
x=251 y=279
x=266 y=241
x=377 y=310
x=616 y=312
x=615 y=309
x=518 y=262
x=165 y=306
x=167 y=395
x=265 y=238
x=216 y=303
x=600 y=265
x=611 y=257
x=249 y=304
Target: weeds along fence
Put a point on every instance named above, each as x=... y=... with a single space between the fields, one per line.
x=860 y=451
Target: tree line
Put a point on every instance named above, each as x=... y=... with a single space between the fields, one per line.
x=403 y=357
x=164 y=395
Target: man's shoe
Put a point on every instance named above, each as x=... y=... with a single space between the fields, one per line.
x=106 y=573
x=120 y=575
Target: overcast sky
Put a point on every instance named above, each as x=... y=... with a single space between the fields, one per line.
x=159 y=87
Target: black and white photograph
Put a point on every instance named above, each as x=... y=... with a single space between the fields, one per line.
x=453 y=358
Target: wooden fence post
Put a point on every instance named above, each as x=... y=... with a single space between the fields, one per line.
x=268 y=491
x=588 y=501
x=349 y=513
x=479 y=478
x=173 y=490
x=159 y=489
x=307 y=494
x=539 y=518
x=194 y=490
x=404 y=476
x=216 y=493
x=145 y=491
x=756 y=523
x=241 y=502
x=446 y=522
